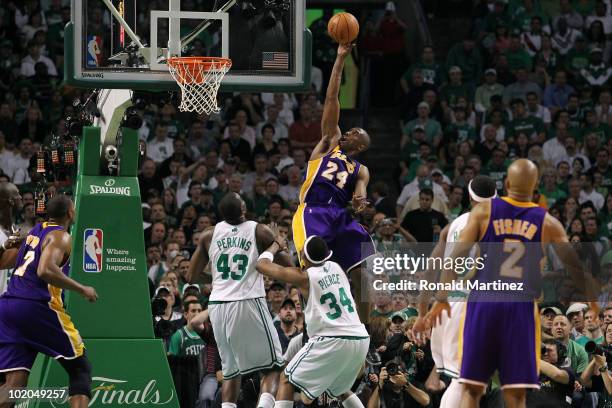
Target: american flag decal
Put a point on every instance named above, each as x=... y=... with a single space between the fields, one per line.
x=275 y=60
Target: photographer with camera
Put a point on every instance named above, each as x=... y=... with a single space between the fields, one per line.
x=165 y=320
x=556 y=380
x=597 y=374
x=392 y=388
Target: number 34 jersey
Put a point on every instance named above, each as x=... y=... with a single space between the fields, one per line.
x=233 y=256
x=330 y=180
x=331 y=310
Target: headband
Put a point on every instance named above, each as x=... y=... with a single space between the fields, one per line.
x=476 y=197
x=329 y=255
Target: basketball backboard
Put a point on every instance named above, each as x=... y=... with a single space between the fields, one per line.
x=124 y=44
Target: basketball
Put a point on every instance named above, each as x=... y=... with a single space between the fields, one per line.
x=343 y=27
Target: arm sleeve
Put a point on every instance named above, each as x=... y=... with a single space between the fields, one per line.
x=175 y=344
x=583 y=359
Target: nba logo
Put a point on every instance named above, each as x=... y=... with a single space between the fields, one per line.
x=94 y=51
x=92 y=250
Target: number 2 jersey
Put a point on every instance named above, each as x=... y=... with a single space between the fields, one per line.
x=25 y=283
x=233 y=256
x=330 y=180
x=331 y=310
x=513 y=247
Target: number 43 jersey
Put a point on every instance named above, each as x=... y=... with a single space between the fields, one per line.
x=331 y=310
x=233 y=256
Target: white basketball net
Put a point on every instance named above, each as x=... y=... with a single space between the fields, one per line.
x=199 y=80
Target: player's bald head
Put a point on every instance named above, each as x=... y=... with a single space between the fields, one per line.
x=522 y=178
x=232 y=208
x=7 y=189
x=9 y=196
x=59 y=207
x=364 y=139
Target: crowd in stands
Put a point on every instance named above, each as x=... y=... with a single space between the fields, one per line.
x=530 y=80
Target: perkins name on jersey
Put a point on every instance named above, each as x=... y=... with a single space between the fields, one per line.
x=234 y=242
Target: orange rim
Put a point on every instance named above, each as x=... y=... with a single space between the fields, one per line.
x=206 y=62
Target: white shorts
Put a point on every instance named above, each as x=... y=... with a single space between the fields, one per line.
x=327 y=364
x=445 y=341
x=246 y=337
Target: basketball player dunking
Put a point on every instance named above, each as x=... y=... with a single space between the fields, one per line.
x=505 y=335
x=32 y=315
x=333 y=179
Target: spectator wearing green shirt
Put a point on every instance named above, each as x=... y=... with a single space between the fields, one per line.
x=466 y=56
x=593 y=331
x=455 y=208
x=186 y=342
x=460 y=130
x=433 y=73
x=451 y=91
x=525 y=13
x=578 y=57
x=410 y=145
x=603 y=166
x=485 y=91
x=523 y=122
x=593 y=125
x=516 y=54
x=497 y=169
x=432 y=128
x=550 y=189
x=577 y=355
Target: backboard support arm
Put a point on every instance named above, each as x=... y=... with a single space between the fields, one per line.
x=123 y=23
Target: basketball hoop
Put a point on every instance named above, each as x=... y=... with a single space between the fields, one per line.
x=199 y=79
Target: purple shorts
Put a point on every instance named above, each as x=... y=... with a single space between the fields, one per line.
x=29 y=327
x=348 y=239
x=502 y=336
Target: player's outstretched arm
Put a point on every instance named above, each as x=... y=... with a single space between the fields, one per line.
x=361 y=189
x=265 y=236
x=56 y=245
x=554 y=233
x=199 y=259
x=290 y=275
x=8 y=258
x=330 y=132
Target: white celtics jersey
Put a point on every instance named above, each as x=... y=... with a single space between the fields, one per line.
x=454 y=231
x=331 y=309
x=5 y=274
x=233 y=255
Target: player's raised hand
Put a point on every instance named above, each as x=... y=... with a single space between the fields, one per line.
x=89 y=293
x=345 y=49
x=434 y=316
x=279 y=238
x=359 y=203
x=420 y=331
x=14 y=240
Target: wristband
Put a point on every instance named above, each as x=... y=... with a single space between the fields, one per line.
x=266 y=255
x=603 y=369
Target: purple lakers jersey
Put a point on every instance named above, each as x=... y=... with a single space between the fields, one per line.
x=25 y=283
x=512 y=246
x=330 y=180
